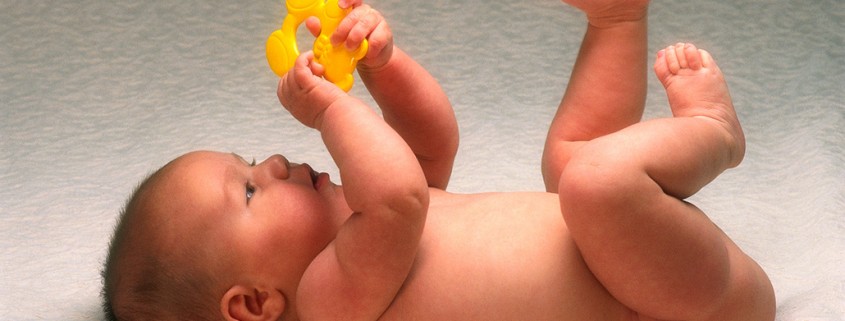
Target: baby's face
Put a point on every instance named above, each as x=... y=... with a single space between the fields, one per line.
x=273 y=218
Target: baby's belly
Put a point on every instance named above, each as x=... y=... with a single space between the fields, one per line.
x=500 y=257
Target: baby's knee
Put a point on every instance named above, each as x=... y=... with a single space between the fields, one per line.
x=598 y=176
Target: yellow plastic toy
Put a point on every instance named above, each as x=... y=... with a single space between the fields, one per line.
x=339 y=62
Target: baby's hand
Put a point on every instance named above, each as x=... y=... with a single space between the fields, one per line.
x=304 y=93
x=364 y=22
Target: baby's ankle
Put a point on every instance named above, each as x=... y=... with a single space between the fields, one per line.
x=618 y=18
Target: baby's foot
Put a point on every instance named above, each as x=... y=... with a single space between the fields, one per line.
x=697 y=88
x=606 y=13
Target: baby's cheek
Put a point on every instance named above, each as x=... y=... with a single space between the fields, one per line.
x=307 y=221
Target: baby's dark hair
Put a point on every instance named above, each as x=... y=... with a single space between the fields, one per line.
x=142 y=284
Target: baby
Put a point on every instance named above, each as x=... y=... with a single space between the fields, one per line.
x=211 y=236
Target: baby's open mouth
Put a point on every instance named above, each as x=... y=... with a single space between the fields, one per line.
x=314 y=176
x=317 y=179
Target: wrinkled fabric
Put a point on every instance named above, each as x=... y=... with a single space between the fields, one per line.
x=96 y=94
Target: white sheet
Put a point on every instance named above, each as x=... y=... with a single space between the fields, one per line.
x=95 y=94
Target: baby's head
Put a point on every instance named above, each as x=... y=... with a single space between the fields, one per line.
x=210 y=236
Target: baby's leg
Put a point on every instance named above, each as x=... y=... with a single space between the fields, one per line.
x=607 y=87
x=622 y=196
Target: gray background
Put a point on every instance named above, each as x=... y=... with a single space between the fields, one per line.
x=95 y=94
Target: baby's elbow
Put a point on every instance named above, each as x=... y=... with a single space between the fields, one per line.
x=410 y=202
x=394 y=201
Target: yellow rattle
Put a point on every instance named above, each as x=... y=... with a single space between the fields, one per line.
x=339 y=62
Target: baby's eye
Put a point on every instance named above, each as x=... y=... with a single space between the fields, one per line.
x=250 y=191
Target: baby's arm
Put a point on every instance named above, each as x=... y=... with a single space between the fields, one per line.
x=411 y=100
x=413 y=103
x=358 y=275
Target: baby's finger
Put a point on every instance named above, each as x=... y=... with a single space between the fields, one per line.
x=313 y=25
x=349 y=3
x=356 y=26
x=287 y=89
x=342 y=30
x=380 y=39
x=301 y=73
x=369 y=20
x=299 y=77
x=289 y=83
x=317 y=69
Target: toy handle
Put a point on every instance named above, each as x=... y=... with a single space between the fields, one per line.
x=281 y=48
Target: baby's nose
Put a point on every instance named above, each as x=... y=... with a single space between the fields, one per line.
x=276 y=166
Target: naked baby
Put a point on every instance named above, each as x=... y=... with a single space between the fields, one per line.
x=211 y=236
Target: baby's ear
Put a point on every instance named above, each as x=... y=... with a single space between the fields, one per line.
x=242 y=303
